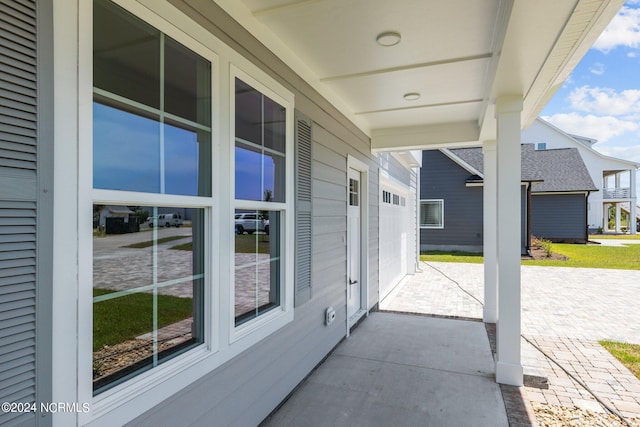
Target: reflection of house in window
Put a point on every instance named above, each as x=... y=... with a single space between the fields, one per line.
x=112 y=212
x=116 y=220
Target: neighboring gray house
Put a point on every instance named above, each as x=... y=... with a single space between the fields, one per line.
x=555 y=190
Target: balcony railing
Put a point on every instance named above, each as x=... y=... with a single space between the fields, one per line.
x=616 y=193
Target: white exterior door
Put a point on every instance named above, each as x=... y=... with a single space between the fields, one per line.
x=354 y=281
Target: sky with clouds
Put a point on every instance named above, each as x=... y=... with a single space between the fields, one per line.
x=601 y=98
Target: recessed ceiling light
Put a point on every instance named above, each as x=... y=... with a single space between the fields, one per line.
x=388 y=38
x=412 y=96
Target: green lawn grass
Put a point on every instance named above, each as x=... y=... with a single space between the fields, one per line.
x=124 y=318
x=627 y=354
x=245 y=244
x=587 y=256
x=148 y=243
x=615 y=236
x=183 y=247
x=454 y=256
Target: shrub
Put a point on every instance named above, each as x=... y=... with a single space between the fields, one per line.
x=544 y=244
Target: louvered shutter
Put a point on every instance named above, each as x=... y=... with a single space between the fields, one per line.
x=303 y=211
x=18 y=118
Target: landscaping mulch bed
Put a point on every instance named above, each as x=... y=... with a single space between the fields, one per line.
x=540 y=254
x=112 y=358
x=560 y=416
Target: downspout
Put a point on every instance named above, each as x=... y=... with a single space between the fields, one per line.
x=528 y=242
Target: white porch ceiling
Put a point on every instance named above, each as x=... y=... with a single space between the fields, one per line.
x=459 y=55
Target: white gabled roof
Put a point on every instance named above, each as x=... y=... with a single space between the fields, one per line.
x=585 y=143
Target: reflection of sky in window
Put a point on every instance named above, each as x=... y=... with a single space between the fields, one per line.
x=248 y=174
x=126 y=154
x=181 y=161
x=125 y=151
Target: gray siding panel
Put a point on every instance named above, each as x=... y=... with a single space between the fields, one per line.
x=559 y=217
x=441 y=178
x=18 y=164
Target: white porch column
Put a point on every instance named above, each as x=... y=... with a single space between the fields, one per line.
x=490 y=230
x=634 y=200
x=605 y=217
x=509 y=365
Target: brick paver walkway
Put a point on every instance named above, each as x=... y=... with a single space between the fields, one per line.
x=565 y=311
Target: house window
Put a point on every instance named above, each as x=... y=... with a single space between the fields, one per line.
x=260 y=176
x=541 y=146
x=151 y=152
x=354 y=192
x=386 y=197
x=432 y=213
x=396 y=199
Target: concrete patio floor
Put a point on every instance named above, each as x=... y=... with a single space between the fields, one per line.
x=401 y=370
x=565 y=311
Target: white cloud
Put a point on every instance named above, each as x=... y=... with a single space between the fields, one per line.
x=597 y=69
x=622 y=152
x=601 y=128
x=605 y=101
x=623 y=30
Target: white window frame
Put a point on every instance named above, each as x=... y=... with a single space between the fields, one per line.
x=73 y=375
x=280 y=316
x=432 y=227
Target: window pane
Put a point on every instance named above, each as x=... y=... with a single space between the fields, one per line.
x=187 y=83
x=257 y=263
x=259 y=176
x=354 y=192
x=274 y=125
x=248 y=173
x=187 y=156
x=248 y=113
x=164 y=145
x=274 y=178
x=147 y=288
x=126 y=54
x=126 y=153
x=260 y=146
x=431 y=213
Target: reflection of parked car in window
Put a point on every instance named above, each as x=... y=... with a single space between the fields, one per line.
x=250 y=222
x=165 y=220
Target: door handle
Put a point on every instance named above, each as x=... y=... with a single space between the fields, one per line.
x=352 y=282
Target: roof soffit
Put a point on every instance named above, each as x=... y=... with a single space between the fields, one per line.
x=459 y=57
